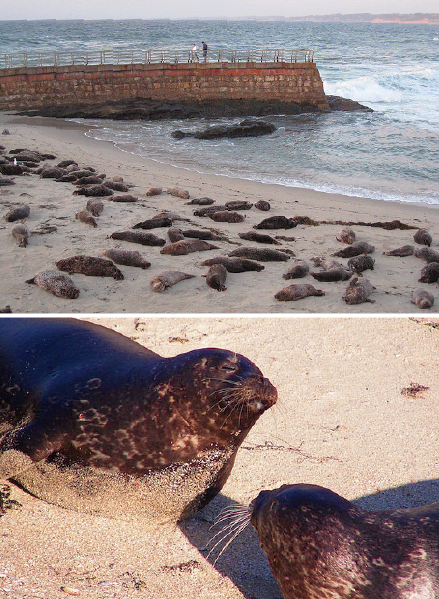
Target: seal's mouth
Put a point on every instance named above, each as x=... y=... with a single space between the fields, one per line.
x=257 y=394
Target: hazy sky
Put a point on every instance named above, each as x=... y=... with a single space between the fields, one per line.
x=178 y=9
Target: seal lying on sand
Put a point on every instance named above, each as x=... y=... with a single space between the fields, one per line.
x=297 y=291
x=91 y=266
x=321 y=546
x=168 y=278
x=95 y=422
x=422 y=298
x=55 y=282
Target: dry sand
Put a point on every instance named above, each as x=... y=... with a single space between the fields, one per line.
x=342 y=421
x=54 y=205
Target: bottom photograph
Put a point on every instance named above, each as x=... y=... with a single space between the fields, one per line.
x=219 y=457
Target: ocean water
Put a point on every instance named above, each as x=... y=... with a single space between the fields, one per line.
x=391 y=153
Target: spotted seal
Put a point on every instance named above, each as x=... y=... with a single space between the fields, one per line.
x=405 y=250
x=357 y=248
x=17 y=213
x=216 y=277
x=297 y=291
x=346 y=236
x=90 y=266
x=85 y=217
x=21 y=235
x=57 y=283
x=422 y=298
x=93 y=421
x=321 y=546
x=299 y=269
x=423 y=237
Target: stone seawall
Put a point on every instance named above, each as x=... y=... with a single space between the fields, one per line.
x=37 y=87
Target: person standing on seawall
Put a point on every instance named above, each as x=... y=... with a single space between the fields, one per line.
x=194 y=55
x=204 y=45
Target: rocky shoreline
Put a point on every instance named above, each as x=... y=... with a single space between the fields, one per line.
x=154 y=110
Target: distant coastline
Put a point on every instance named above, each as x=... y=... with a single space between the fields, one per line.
x=404 y=19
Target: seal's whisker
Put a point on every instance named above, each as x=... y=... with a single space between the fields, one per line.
x=240 y=526
x=232 y=511
x=237 y=517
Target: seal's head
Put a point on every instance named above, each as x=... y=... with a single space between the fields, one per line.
x=322 y=546
x=219 y=392
x=309 y=535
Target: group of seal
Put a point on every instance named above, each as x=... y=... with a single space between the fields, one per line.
x=93 y=421
x=95 y=186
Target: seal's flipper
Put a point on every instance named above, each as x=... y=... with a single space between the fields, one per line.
x=22 y=448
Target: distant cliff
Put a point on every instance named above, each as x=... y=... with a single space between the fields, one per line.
x=426 y=18
x=419 y=17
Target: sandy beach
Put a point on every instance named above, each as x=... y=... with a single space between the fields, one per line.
x=344 y=420
x=56 y=234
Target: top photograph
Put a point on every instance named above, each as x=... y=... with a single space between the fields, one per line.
x=241 y=166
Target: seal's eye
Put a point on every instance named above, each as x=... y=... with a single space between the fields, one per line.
x=229 y=367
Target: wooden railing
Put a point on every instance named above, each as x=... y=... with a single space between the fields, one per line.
x=54 y=59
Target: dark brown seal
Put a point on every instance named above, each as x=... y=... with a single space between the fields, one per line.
x=262 y=254
x=321 y=546
x=430 y=273
x=153 y=223
x=127 y=257
x=85 y=217
x=175 y=234
x=141 y=237
x=227 y=216
x=210 y=210
x=94 y=191
x=263 y=205
x=360 y=247
x=423 y=237
x=258 y=237
x=332 y=275
x=181 y=248
x=358 y=291
x=299 y=269
x=90 y=266
x=234 y=264
x=202 y=234
x=168 y=278
x=216 y=277
x=422 y=298
x=56 y=283
x=128 y=198
x=361 y=263
x=405 y=250
x=297 y=291
x=201 y=202
x=276 y=222
x=239 y=205
x=93 y=421
x=116 y=185
x=18 y=213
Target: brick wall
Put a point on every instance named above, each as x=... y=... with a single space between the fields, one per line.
x=26 y=88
